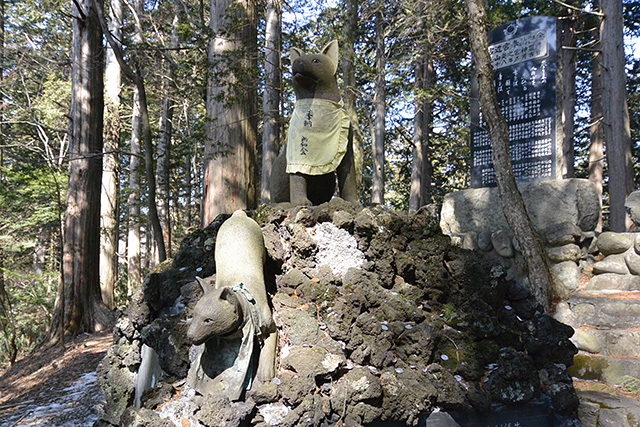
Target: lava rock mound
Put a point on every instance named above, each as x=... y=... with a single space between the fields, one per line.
x=381 y=322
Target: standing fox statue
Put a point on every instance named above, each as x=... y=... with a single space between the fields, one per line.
x=233 y=314
x=320 y=139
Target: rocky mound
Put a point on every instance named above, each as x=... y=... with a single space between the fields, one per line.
x=381 y=321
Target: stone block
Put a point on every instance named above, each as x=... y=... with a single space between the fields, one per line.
x=618 y=342
x=588 y=413
x=549 y=202
x=608 y=369
x=594 y=400
x=613 y=282
x=612 y=418
x=599 y=312
x=607 y=342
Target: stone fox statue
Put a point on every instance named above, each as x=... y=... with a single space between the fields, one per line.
x=233 y=315
x=320 y=138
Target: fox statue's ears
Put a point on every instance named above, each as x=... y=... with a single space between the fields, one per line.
x=205 y=285
x=295 y=54
x=330 y=51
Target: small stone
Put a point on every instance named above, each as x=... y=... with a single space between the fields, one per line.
x=502 y=243
x=516 y=245
x=305 y=217
x=636 y=244
x=209 y=244
x=584 y=340
x=561 y=234
x=569 y=252
x=470 y=241
x=632 y=205
x=342 y=219
x=568 y=274
x=484 y=241
x=613 y=243
x=633 y=263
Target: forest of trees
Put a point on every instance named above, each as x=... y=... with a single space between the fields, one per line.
x=125 y=124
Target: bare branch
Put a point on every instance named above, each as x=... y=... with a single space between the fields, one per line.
x=577 y=9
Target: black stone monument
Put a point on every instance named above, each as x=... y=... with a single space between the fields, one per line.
x=523 y=53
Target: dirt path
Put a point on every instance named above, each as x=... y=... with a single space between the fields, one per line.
x=55 y=387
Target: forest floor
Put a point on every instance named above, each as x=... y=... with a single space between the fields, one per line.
x=59 y=388
x=55 y=386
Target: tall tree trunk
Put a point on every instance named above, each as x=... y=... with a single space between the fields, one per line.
x=596 y=131
x=568 y=74
x=111 y=165
x=428 y=80
x=379 y=101
x=271 y=98
x=421 y=170
x=79 y=305
x=144 y=122
x=617 y=131
x=418 y=152
x=349 y=79
x=541 y=281
x=164 y=140
x=231 y=145
x=134 y=248
x=188 y=188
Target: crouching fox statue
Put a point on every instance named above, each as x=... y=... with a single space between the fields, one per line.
x=234 y=315
x=320 y=138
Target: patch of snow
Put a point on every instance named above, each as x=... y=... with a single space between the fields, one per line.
x=274 y=413
x=176 y=411
x=77 y=406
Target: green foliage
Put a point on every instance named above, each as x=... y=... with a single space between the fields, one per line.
x=31 y=300
x=630 y=383
x=36 y=95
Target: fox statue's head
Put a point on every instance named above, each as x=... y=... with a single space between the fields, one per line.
x=217 y=313
x=314 y=75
